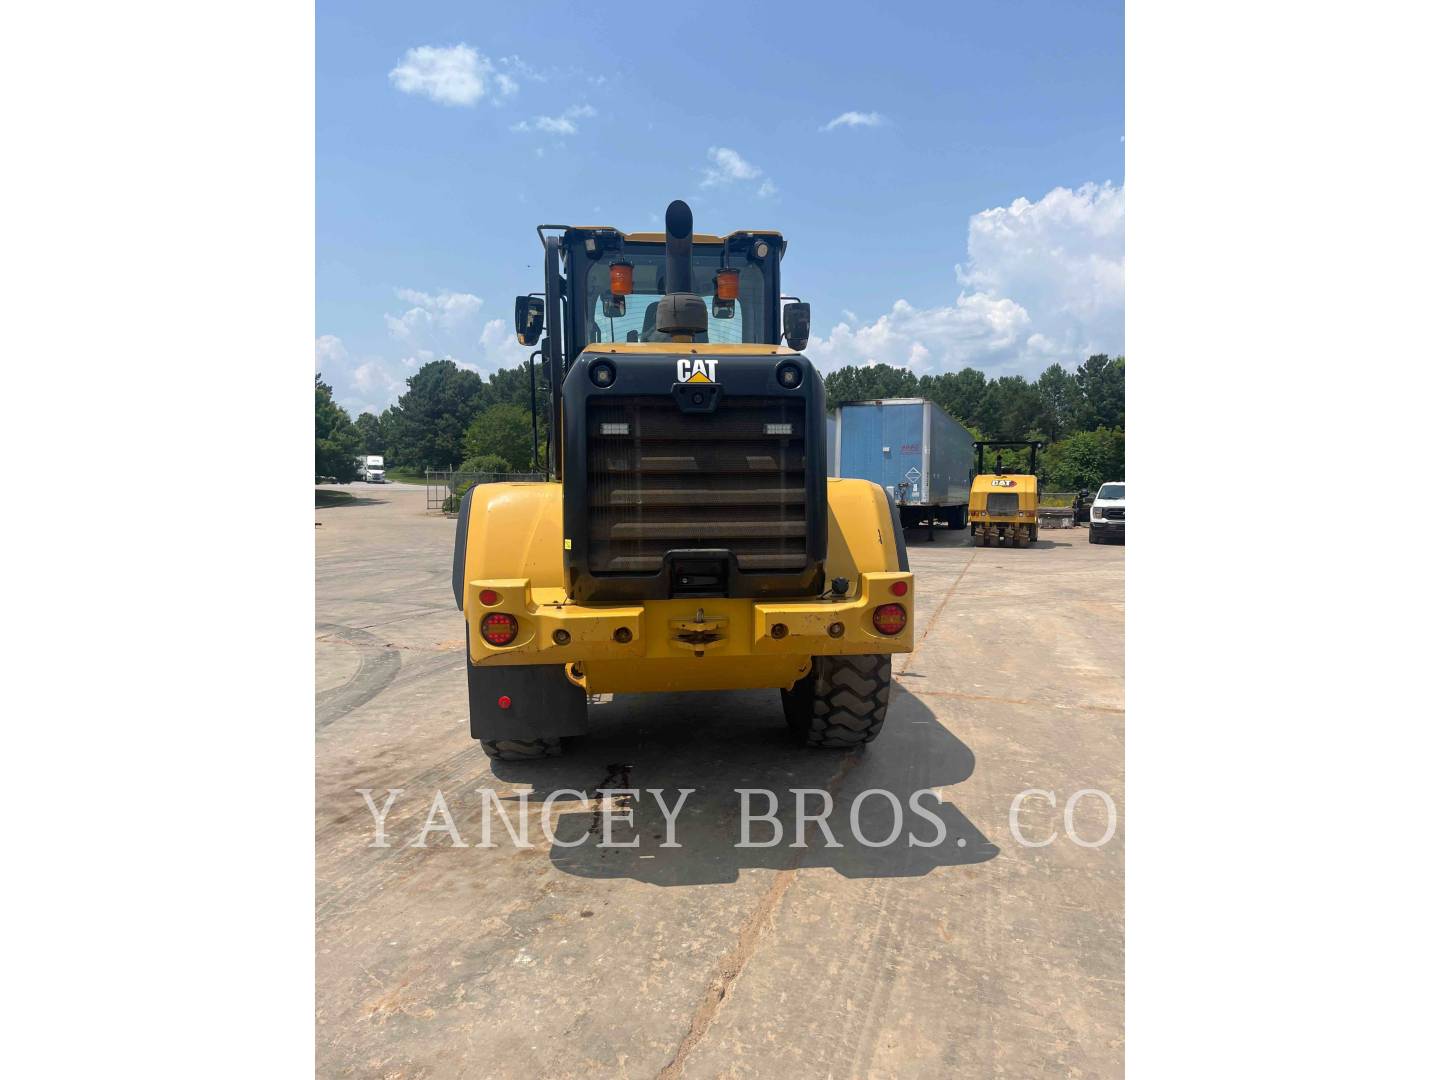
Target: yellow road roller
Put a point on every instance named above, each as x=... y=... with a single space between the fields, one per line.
x=1004 y=504
x=687 y=536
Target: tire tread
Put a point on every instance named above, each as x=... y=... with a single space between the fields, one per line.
x=842 y=703
x=521 y=749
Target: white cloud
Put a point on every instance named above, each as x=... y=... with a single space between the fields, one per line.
x=447 y=311
x=522 y=70
x=457 y=75
x=375 y=381
x=855 y=119
x=437 y=326
x=976 y=330
x=1042 y=282
x=564 y=124
x=329 y=350
x=1065 y=253
x=727 y=166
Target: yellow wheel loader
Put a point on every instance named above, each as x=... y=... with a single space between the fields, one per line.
x=688 y=538
x=1004 y=505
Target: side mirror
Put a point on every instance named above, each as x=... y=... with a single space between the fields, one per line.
x=529 y=319
x=797 y=325
x=613 y=305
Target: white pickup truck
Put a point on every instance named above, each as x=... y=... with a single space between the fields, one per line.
x=1107 y=515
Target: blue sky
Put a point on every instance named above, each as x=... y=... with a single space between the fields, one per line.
x=949 y=176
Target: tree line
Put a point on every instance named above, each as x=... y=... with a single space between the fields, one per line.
x=447 y=417
x=1079 y=415
x=450 y=416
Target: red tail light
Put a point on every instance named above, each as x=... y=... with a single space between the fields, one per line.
x=889 y=619
x=899 y=588
x=497 y=628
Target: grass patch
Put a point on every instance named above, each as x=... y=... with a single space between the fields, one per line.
x=405 y=476
x=326 y=497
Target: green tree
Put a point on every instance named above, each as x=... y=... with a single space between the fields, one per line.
x=504 y=431
x=336 y=442
x=853 y=383
x=1060 y=402
x=486 y=463
x=1083 y=461
x=372 y=437
x=957 y=392
x=429 y=420
x=1010 y=408
x=1101 y=383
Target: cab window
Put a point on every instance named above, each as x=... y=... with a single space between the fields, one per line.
x=632 y=318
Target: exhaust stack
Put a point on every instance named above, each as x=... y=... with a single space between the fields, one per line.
x=679 y=225
x=681 y=313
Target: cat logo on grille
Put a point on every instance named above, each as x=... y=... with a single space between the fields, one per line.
x=695 y=369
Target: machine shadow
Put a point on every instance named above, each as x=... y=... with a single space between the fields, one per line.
x=328 y=500
x=718 y=743
x=917 y=538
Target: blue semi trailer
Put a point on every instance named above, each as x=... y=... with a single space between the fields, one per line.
x=914 y=450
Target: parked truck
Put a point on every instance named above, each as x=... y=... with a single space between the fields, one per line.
x=914 y=450
x=370 y=468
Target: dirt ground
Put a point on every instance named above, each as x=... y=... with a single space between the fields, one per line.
x=977 y=957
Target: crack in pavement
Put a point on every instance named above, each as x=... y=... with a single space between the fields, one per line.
x=909 y=659
x=919 y=692
x=752 y=931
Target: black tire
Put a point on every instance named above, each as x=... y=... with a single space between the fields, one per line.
x=522 y=749
x=841 y=703
x=1093 y=538
x=1034 y=533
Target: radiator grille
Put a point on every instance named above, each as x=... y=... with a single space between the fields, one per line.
x=1003 y=502
x=678 y=480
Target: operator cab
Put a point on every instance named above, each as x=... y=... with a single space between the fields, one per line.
x=690 y=440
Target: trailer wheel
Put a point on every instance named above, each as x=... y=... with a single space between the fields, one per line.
x=522 y=749
x=841 y=703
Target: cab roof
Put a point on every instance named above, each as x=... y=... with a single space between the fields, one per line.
x=659 y=237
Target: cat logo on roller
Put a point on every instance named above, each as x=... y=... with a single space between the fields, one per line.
x=695 y=369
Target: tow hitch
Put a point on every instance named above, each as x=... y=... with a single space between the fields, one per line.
x=698 y=633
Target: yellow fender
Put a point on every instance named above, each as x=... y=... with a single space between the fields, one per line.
x=865 y=532
x=510 y=538
x=515 y=530
x=511 y=531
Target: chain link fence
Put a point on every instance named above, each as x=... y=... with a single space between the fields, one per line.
x=445 y=487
